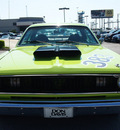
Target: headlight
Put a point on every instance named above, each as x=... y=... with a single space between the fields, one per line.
x=119 y=82
x=100 y=81
x=15 y=82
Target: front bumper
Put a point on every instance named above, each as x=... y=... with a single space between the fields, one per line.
x=36 y=108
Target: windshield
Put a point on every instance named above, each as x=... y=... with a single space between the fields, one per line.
x=58 y=35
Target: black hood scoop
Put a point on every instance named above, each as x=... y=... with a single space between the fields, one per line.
x=64 y=52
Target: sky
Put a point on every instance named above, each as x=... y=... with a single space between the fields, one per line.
x=50 y=9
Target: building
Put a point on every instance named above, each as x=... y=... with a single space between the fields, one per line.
x=20 y=24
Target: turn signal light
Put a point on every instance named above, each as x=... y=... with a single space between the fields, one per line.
x=118 y=82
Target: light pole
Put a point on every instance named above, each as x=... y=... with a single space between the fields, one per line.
x=118 y=21
x=26 y=11
x=8 y=9
x=92 y=24
x=86 y=18
x=64 y=11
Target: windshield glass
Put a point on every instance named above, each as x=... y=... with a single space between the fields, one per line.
x=58 y=35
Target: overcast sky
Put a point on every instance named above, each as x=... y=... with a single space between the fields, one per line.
x=50 y=8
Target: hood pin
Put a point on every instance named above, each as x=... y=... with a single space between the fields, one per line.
x=117 y=65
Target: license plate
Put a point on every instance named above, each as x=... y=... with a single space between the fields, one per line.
x=58 y=112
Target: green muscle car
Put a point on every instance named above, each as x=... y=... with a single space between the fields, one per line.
x=59 y=71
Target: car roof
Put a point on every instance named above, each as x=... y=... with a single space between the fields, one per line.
x=57 y=24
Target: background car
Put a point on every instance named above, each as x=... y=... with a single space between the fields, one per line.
x=18 y=37
x=109 y=37
x=103 y=35
x=106 y=39
x=116 y=38
x=6 y=36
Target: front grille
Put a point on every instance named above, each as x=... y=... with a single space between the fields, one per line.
x=58 y=84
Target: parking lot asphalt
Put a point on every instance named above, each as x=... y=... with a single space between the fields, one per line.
x=11 y=43
x=112 y=46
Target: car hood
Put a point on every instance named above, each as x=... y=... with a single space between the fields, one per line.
x=93 y=60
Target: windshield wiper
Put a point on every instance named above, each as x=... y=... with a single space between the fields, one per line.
x=68 y=41
x=37 y=41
